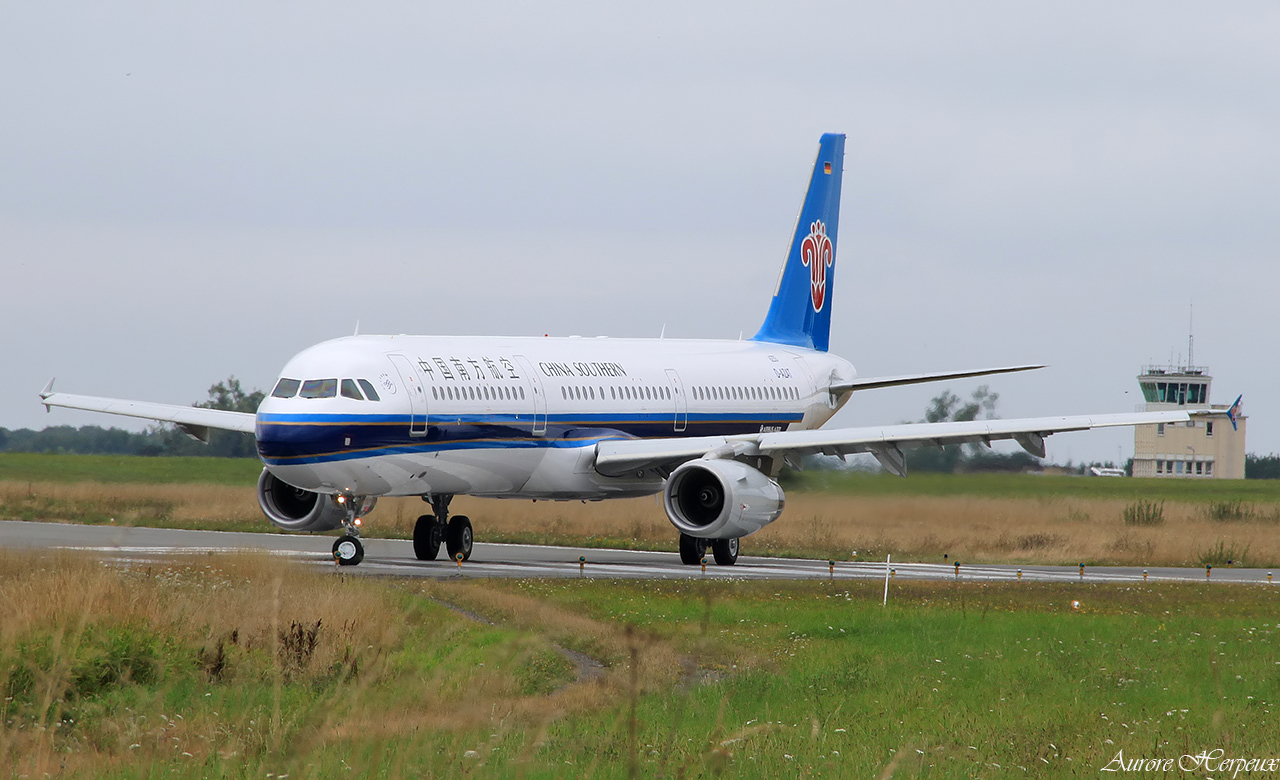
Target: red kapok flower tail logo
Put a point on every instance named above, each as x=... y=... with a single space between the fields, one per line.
x=816 y=253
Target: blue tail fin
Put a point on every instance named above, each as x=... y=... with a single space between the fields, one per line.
x=800 y=313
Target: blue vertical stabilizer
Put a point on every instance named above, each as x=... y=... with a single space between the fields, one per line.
x=800 y=313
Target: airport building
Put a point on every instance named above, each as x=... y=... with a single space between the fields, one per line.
x=1209 y=446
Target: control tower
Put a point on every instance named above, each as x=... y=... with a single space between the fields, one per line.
x=1209 y=446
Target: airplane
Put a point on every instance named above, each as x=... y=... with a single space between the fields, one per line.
x=708 y=424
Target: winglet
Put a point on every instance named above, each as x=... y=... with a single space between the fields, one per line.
x=1232 y=410
x=47 y=391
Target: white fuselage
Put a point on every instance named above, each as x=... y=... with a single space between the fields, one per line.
x=520 y=417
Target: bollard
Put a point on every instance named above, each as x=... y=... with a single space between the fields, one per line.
x=1144 y=575
x=831 y=567
x=893 y=574
x=1208 y=569
x=704 y=564
x=459 y=557
x=1082 y=571
x=1019 y=575
x=957 y=569
x=582 y=565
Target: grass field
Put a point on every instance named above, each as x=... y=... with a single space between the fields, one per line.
x=978 y=518
x=243 y=667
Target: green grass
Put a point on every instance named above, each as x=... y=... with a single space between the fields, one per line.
x=734 y=679
x=35 y=467
x=244 y=471
x=988 y=681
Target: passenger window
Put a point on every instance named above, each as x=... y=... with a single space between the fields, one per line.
x=319 y=388
x=473 y=393
x=434 y=394
x=522 y=394
x=369 y=392
x=286 y=388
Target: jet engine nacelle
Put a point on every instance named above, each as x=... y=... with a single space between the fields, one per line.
x=295 y=509
x=721 y=499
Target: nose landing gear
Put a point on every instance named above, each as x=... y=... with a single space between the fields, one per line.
x=348 y=550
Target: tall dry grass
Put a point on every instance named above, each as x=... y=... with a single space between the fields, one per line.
x=226 y=686
x=189 y=505
x=1059 y=530
x=1064 y=530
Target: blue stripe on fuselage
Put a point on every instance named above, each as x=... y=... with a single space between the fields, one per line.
x=316 y=438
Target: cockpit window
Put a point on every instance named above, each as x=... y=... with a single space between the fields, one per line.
x=286 y=388
x=349 y=390
x=319 y=388
x=369 y=392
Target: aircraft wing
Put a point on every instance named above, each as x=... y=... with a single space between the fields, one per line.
x=193 y=420
x=886 y=443
x=913 y=379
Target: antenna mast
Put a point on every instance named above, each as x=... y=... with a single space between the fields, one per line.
x=1191 y=336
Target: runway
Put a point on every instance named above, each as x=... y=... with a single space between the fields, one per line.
x=394 y=557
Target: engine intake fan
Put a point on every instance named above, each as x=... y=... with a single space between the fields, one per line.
x=295 y=509
x=721 y=499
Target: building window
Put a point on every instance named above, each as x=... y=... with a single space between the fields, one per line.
x=1208 y=468
x=1199 y=468
x=1159 y=467
x=1159 y=429
x=1208 y=429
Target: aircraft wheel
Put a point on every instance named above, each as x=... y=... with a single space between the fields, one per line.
x=458 y=538
x=426 y=538
x=348 y=551
x=726 y=551
x=692 y=549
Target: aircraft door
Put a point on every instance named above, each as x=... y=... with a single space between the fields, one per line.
x=682 y=406
x=411 y=379
x=539 y=397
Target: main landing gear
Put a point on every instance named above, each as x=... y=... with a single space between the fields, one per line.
x=693 y=550
x=438 y=527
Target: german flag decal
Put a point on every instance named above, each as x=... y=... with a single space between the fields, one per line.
x=826 y=167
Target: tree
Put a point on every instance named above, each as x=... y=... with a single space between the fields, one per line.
x=948 y=407
x=229 y=396
x=1262 y=466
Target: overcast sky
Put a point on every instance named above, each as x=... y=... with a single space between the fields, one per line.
x=194 y=190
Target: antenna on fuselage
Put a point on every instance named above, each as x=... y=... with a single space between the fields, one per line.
x=663 y=333
x=357 y=333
